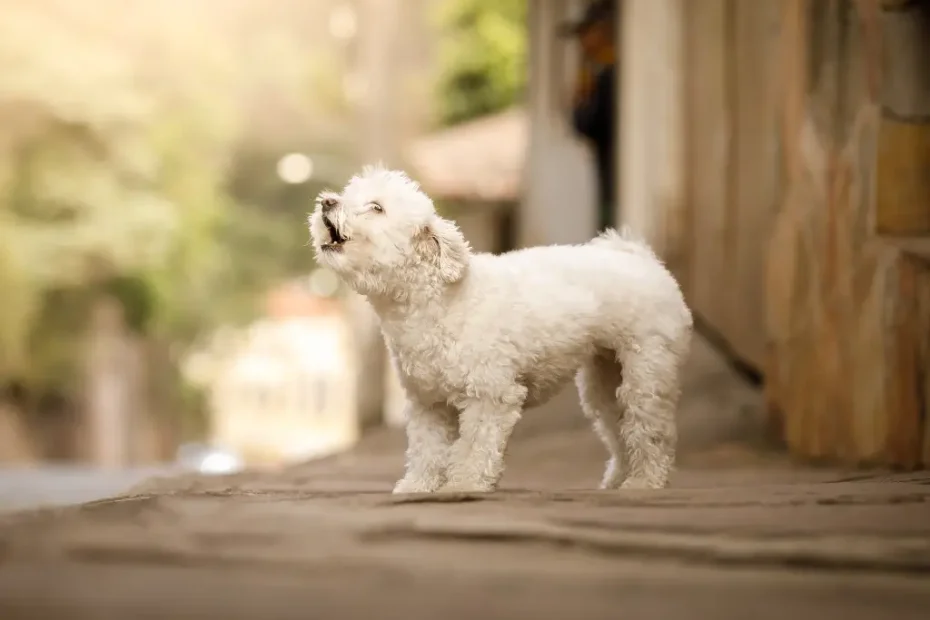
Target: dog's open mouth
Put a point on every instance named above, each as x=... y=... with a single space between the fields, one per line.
x=336 y=238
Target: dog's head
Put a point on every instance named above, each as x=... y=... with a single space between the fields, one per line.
x=383 y=232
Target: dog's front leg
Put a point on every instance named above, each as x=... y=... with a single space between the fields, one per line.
x=430 y=433
x=476 y=462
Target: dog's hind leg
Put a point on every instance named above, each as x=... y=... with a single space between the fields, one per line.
x=649 y=397
x=598 y=381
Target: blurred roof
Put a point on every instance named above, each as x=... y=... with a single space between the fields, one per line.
x=292 y=300
x=477 y=160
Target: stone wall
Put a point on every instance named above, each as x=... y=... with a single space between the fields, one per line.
x=848 y=305
x=804 y=243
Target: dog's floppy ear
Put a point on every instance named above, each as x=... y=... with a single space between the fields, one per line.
x=441 y=241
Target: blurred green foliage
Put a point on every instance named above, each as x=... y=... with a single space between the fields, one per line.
x=138 y=144
x=120 y=155
x=482 y=64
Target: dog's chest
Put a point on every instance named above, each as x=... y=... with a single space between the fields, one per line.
x=426 y=365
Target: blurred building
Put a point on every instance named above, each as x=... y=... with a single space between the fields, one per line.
x=474 y=172
x=776 y=154
x=282 y=389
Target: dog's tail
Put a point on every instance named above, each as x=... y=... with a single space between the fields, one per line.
x=625 y=241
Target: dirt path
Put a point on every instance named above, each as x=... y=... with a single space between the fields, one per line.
x=739 y=535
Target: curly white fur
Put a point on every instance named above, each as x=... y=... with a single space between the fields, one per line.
x=477 y=338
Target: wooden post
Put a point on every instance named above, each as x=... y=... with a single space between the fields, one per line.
x=111 y=371
x=377 y=36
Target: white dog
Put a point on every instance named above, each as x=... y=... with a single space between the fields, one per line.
x=476 y=338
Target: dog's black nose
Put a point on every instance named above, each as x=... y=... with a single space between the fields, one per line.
x=328 y=204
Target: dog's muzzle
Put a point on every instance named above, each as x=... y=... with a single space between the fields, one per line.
x=337 y=239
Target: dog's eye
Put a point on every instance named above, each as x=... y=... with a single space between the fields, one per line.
x=377 y=208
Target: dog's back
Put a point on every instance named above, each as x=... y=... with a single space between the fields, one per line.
x=624 y=240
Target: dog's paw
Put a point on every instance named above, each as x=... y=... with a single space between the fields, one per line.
x=640 y=483
x=614 y=476
x=413 y=485
x=463 y=486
